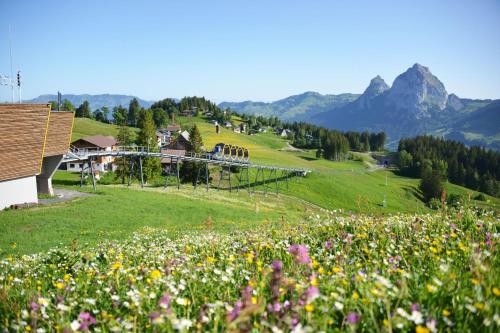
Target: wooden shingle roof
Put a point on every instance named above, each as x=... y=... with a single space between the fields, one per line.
x=22 y=141
x=25 y=138
x=59 y=134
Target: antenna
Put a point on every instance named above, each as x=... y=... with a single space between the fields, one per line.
x=11 y=71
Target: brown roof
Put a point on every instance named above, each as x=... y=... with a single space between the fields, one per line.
x=174 y=128
x=59 y=133
x=28 y=133
x=100 y=141
x=178 y=152
x=22 y=139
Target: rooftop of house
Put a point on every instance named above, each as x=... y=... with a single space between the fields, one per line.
x=100 y=141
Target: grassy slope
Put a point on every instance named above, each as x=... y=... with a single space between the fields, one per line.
x=87 y=127
x=117 y=212
x=331 y=185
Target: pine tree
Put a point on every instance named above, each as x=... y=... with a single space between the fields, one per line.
x=83 y=111
x=151 y=166
x=189 y=170
x=133 y=112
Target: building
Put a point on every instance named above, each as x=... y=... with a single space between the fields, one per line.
x=166 y=162
x=33 y=141
x=182 y=142
x=165 y=135
x=94 y=143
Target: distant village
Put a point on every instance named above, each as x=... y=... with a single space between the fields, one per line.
x=171 y=140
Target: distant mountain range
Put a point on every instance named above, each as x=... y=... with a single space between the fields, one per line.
x=95 y=101
x=416 y=103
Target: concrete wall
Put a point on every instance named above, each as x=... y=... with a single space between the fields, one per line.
x=18 y=191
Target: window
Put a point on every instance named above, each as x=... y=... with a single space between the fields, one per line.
x=81 y=165
x=71 y=165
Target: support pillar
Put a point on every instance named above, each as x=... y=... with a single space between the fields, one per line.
x=178 y=178
x=93 y=173
x=206 y=175
x=44 y=179
x=142 y=176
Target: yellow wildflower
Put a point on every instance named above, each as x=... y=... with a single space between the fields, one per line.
x=421 y=329
x=254 y=300
x=155 y=274
x=117 y=265
x=479 y=306
x=496 y=291
x=446 y=313
x=309 y=308
x=59 y=285
x=67 y=277
x=355 y=295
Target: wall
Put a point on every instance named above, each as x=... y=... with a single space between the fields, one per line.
x=18 y=191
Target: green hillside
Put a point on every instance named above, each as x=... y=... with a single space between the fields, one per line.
x=351 y=185
x=87 y=127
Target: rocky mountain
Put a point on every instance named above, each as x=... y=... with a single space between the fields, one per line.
x=95 y=101
x=416 y=103
x=293 y=108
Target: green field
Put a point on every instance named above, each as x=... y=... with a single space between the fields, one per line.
x=88 y=127
x=116 y=212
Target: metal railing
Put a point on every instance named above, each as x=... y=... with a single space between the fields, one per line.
x=141 y=151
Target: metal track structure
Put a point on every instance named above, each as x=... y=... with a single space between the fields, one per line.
x=203 y=161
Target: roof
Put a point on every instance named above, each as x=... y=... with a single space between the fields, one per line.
x=178 y=152
x=100 y=141
x=173 y=128
x=185 y=135
x=27 y=134
x=59 y=133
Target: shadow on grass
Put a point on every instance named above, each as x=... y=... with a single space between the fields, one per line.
x=412 y=190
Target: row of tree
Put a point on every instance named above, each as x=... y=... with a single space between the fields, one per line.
x=473 y=167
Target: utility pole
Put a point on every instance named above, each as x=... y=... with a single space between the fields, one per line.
x=19 y=85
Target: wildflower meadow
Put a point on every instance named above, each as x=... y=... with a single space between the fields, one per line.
x=400 y=273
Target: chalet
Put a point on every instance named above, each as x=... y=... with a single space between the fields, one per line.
x=228 y=124
x=182 y=142
x=166 y=162
x=94 y=143
x=237 y=130
x=243 y=127
x=33 y=141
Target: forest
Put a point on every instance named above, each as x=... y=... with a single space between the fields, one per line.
x=473 y=167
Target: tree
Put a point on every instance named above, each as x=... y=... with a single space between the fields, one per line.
x=124 y=136
x=83 y=111
x=53 y=105
x=98 y=115
x=133 y=112
x=159 y=117
x=120 y=115
x=431 y=184
x=67 y=106
x=105 y=113
x=151 y=166
x=189 y=170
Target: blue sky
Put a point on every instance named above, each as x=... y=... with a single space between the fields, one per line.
x=240 y=50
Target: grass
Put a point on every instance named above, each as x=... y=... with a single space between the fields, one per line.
x=87 y=127
x=404 y=273
x=116 y=212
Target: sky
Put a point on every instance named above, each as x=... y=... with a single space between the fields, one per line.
x=246 y=50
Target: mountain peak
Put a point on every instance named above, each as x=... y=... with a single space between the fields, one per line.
x=376 y=87
x=418 y=92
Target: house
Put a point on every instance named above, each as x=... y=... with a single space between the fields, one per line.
x=94 y=143
x=237 y=130
x=284 y=132
x=182 y=142
x=243 y=127
x=228 y=124
x=165 y=135
x=166 y=162
x=33 y=141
